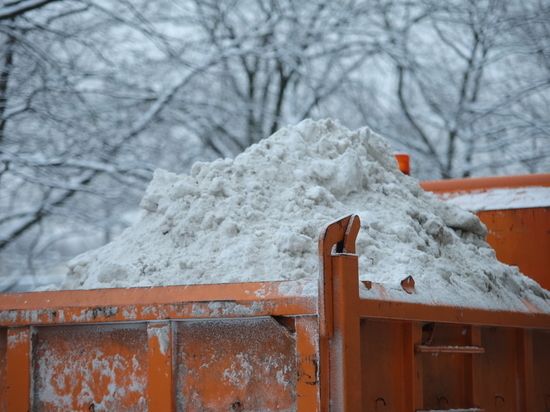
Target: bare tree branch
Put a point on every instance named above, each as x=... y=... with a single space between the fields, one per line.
x=15 y=9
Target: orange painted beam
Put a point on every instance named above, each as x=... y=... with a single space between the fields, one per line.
x=395 y=310
x=158 y=303
x=481 y=183
x=252 y=291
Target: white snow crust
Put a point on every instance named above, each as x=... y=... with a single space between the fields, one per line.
x=500 y=198
x=258 y=217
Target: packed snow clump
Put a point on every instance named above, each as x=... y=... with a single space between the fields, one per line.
x=258 y=217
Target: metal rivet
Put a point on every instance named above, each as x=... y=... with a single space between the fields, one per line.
x=237 y=406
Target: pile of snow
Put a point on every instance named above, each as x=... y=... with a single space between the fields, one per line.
x=257 y=218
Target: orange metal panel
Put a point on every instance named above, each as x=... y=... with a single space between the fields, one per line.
x=521 y=237
x=3 y=368
x=498 y=370
x=381 y=365
x=18 y=369
x=159 y=367
x=307 y=353
x=90 y=368
x=239 y=364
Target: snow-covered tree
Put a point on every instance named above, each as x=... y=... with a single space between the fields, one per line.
x=469 y=87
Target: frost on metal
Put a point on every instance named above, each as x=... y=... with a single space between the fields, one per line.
x=98 y=367
x=162 y=334
x=239 y=363
x=17 y=338
x=500 y=198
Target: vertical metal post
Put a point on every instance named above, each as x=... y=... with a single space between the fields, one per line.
x=524 y=369
x=412 y=367
x=160 y=385
x=339 y=322
x=345 y=345
x=472 y=369
x=307 y=385
x=18 y=380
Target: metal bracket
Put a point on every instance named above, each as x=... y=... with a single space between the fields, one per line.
x=340 y=236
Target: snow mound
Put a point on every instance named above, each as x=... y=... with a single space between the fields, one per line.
x=257 y=218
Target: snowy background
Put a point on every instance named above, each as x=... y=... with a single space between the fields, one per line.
x=97 y=94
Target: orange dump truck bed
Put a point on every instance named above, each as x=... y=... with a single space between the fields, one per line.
x=271 y=346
